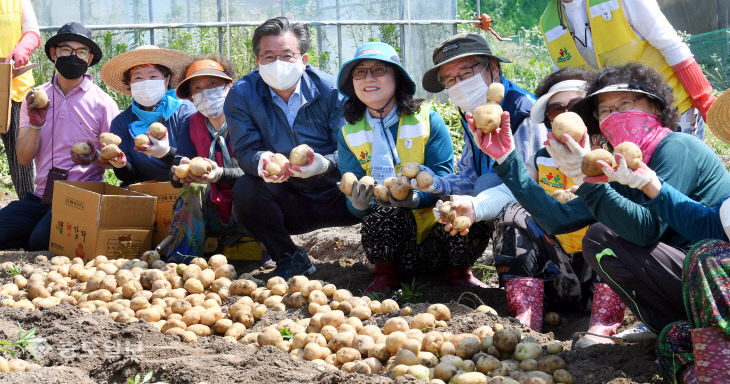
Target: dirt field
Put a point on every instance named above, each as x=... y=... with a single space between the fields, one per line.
x=91 y=348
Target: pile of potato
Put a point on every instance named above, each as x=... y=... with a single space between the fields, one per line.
x=186 y=300
x=16 y=365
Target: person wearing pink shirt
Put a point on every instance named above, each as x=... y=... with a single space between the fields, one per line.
x=77 y=111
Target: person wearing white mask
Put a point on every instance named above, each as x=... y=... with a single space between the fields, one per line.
x=284 y=103
x=146 y=74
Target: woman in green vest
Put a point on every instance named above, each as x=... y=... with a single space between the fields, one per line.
x=387 y=128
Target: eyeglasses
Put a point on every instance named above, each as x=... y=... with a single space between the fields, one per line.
x=67 y=50
x=464 y=74
x=290 y=57
x=553 y=110
x=377 y=71
x=622 y=106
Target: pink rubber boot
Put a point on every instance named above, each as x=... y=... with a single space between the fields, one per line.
x=712 y=355
x=524 y=300
x=607 y=313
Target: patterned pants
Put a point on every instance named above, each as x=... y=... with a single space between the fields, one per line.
x=706 y=294
x=22 y=176
x=389 y=234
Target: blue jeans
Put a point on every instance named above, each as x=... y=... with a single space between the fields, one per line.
x=25 y=224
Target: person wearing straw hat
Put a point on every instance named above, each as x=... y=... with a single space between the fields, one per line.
x=146 y=74
x=77 y=110
x=632 y=248
x=21 y=37
x=400 y=237
x=284 y=103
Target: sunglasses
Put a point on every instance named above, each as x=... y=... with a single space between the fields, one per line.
x=553 y=110
x=377 y=71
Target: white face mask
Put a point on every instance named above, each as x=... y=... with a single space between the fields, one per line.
x=281 y=75
x=209 y=102
x=469 y=94
x=148 y=93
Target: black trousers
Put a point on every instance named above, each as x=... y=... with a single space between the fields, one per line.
x=648 y=279
x=22 y=176
x=274 y=211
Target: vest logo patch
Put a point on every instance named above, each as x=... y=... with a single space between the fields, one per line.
x=450 y=47
x=564 y=55
x=364 y=157
x=554 y=181
x=409 y=143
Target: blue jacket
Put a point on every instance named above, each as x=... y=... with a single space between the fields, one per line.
x=141 y=167
x=439 y=157
x=256 y=124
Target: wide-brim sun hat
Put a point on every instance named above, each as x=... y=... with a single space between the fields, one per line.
x=718 y=117
x=74 y=32
x=200 y=68
x=371 y=51
x=112 y=72
x=454 y=48
x=537 y=113
x=588 y=105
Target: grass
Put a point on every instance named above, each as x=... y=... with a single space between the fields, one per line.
x=286 y=334
x=409 y=293
x=24 y=345
x=144 y=380
x=487 y=271
x=14 y=270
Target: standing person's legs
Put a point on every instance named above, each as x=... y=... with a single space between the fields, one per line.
x=22 y=176
x=647 y=279
x=19 y=219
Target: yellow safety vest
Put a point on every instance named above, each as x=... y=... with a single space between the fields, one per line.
x=551 y=179
x=413 y=133
x=614 y=43
x=10 y=33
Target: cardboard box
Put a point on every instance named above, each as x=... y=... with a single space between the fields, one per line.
x=95 y=218
x=6 y=82
x=166 y=196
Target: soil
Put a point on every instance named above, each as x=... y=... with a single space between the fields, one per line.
x=91 y=348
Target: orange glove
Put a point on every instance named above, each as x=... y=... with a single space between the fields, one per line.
x=695 y=83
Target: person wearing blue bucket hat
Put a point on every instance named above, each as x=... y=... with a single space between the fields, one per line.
x=387 y=128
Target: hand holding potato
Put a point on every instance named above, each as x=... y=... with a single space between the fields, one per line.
x=316 y=165
x=157 y=147
x=86 y=159
x=438 y=185
x=464 y=208
x=569 y=156
x=622 y=174
x=118 y=161
x=214 y=173
x=36 y=114
x=497 y=144
x=266 y=160
x=361 y=196
x=410 y=200
x=176 y=172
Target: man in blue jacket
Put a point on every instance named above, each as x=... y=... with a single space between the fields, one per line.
x=282 y=104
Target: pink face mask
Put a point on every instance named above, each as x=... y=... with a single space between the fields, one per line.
x=640 y=128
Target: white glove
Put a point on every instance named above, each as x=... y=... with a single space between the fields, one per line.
x=264 y=160
x=361 y=195
x=158 y=147
x=437 y=188
x=623 y=175
x=568 y=159
x=725 y=217
x=317 y=165
x=211 y=177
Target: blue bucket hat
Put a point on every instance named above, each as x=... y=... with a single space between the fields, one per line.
x=371 y=51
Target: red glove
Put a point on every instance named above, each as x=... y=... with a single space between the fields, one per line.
x=36 y=116
x=695 y=83
x=497 y=144
x=21 y=53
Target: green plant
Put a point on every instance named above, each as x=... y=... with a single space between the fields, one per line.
x=25 y=344
x=145 y=380
x=286 y=334
x=111 y=178
x=376 y=296
x=409 y=293
x=452 y=118
x=487 y=271
x=14 y=270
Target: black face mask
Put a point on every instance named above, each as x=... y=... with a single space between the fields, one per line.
x=71 y=67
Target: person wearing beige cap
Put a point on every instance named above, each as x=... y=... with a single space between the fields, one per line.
x=146 y=74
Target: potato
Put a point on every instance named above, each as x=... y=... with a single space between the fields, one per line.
x=631 y=153
x=395 y=324
x=424 y=179
x=388 y=305
x=552 y=318
x=536 y=377
x=375 y=365
x=361 y=312
x=110 y=151
x=278 y=162
x=528 y=365
x=562 y=376
x=4 y=366
x=487 y=117
x=410 y=170
x=439 y=311
x=141 y=140
x=447 y=212
x=242 y=287
x=199 y=166
x=589 y=166
x=217 y=261
x=318 y=297
x=399 y=188
x=199 y=329
x=108 y=138
x=554 y=349
x=300 y=155
x=550 y=363
x=467 y=366
x=296 y=283
x=505 y=340
x=423 y=321
x=461 y=223
x=570 y=123
x=563 y=196
x=432 y=342
x=427 y=359
x=81 y=148
x=37 y=290
x=398 y=370
x=348 y=179
x=346 y=354
x=182 y=171
x=39 y=96
x=469 y=378
x=468 y=346
x=228 y=271
x=394 y=341
x=379 y=351
x=406 y=357
x=444 y=371
x=447 y=348
x=194 y=286
x=527 y=350
x=487 y=364
x=341 y=340
x=495 y=92
x=269 y=336
x=157 y=130
x=413 y=345
x=419 y=372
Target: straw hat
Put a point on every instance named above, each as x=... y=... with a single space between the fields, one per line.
x=718 y=117
x=112 y=72
x=200 y=68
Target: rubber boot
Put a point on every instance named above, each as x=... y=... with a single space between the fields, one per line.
x=463 y=277
x=607 y=313
x=385 y=277
x=524 y=300
x=712 y=355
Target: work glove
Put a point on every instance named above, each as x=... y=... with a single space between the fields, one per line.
x=317 y=165
x=264 y=160
x=211 y=177
x=361 y=195
x=498 y=144
x=569 y=157
x=117 y=162
x=411 y=201
x=438 y=187
x=36 y=116
x=21 y=53
x=157 y=148
x=93 y=156
x=623 y=174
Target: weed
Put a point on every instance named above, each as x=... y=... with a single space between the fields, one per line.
x=145 y=380
x=286 y=334
x=376 y=296
x=409 y=293
x=487 y=271
x=14 y=270
x=25 y=344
